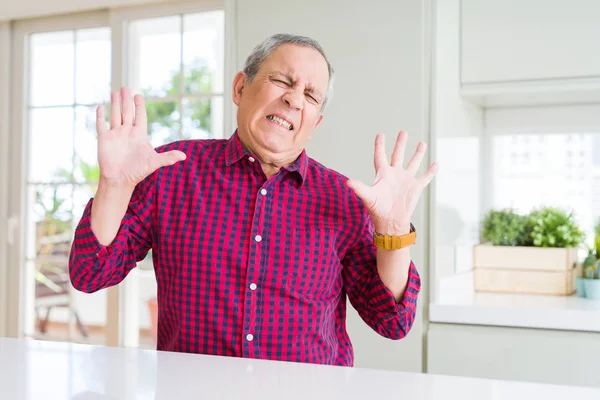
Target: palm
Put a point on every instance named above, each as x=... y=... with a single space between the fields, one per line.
x=125 y=155
x=393 y=196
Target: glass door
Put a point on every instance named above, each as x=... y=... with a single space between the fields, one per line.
x=68 y=75
x=63 y=68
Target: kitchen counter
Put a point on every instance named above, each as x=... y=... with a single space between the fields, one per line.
x=50 y=370
x=458 y=303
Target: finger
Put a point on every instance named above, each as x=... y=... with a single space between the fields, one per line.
x=399 y=149
x=100 y=121
x=380 y=157
x=127 y=114
x=415 y=162
x=167 y=158
x=115 y=110
x=364 y=192
x=428 y=175
x=141 y=119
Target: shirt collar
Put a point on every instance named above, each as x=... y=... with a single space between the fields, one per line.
x=234 y=152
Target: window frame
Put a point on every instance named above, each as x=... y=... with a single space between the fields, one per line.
x=5 y=306
x=122 y=328
x=549 y=119
x=124 y=19
x=19 y=145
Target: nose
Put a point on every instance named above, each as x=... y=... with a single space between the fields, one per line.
x=294 y=99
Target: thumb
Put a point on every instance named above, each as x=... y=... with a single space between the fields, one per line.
x=363 y=192
x=167 y=158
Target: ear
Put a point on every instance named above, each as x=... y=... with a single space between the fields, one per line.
x=318 y=121
x=316 y=125
x=239 y=81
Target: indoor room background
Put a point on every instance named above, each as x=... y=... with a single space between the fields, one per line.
x=506 y=93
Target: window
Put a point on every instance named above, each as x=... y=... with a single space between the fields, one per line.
x=177 y=64
x=174 y=55
x=69 y=76
x=556 y=169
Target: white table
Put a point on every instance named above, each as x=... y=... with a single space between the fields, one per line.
x=46 y=370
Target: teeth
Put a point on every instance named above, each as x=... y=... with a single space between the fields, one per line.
x=280 y=121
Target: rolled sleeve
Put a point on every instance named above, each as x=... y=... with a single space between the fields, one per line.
x=93 y=266
x=371 y=298
x=86 y=243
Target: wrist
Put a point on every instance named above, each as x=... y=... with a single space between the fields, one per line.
x=114 y=187
x=392 y=228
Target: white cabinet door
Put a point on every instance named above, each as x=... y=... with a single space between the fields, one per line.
x=534 y=355
x=516 y=40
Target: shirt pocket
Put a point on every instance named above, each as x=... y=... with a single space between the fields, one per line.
x=313 y=269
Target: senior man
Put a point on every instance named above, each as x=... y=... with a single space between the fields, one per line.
x=255 y=245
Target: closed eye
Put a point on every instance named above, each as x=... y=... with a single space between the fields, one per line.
x=312 y=98
x=282 y=82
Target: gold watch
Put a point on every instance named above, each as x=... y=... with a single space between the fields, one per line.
x=388 y=242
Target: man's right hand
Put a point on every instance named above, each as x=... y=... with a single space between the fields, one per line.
x=125 y=155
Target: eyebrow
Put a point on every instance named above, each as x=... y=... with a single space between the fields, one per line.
x=309 y=88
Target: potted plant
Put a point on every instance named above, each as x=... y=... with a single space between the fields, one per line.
x=589 y=284
x=534 y=253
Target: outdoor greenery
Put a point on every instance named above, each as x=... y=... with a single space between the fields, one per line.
x=163 y=115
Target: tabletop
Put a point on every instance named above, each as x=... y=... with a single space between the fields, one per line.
x=32 y=370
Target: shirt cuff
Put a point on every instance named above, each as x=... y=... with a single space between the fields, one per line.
x=384 y=303
x=86 y=243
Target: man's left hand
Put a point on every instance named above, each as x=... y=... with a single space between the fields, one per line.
x=393 y=196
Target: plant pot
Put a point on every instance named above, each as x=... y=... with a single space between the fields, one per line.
x=153 y=309
x=580 y=286
x=592 y=288
x=522 y=269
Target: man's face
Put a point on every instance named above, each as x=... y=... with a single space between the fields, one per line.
x=280 y=109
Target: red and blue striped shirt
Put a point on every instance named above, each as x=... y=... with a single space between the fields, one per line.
x=248 y=266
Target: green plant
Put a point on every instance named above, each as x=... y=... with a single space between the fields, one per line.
x=503 y=227
x=552 y=227
x=597 y=237
x=168 y=115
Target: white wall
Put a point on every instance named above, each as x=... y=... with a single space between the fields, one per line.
x=457 y=128
x=515 y=40
x=378 y=52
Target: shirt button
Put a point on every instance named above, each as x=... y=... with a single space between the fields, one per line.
x=263 y=192
x=258 y=238
x=253 y=286
x=251 y=159
x=249 y=337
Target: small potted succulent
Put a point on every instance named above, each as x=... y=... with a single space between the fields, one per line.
x=589 y=284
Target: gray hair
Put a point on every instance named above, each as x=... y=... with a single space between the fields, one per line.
x=267 y=47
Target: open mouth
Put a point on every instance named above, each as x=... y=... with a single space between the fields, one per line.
x=286 y=124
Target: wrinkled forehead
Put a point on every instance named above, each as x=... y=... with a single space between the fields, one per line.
x=304 y=64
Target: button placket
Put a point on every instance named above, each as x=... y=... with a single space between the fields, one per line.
x=253 y=276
